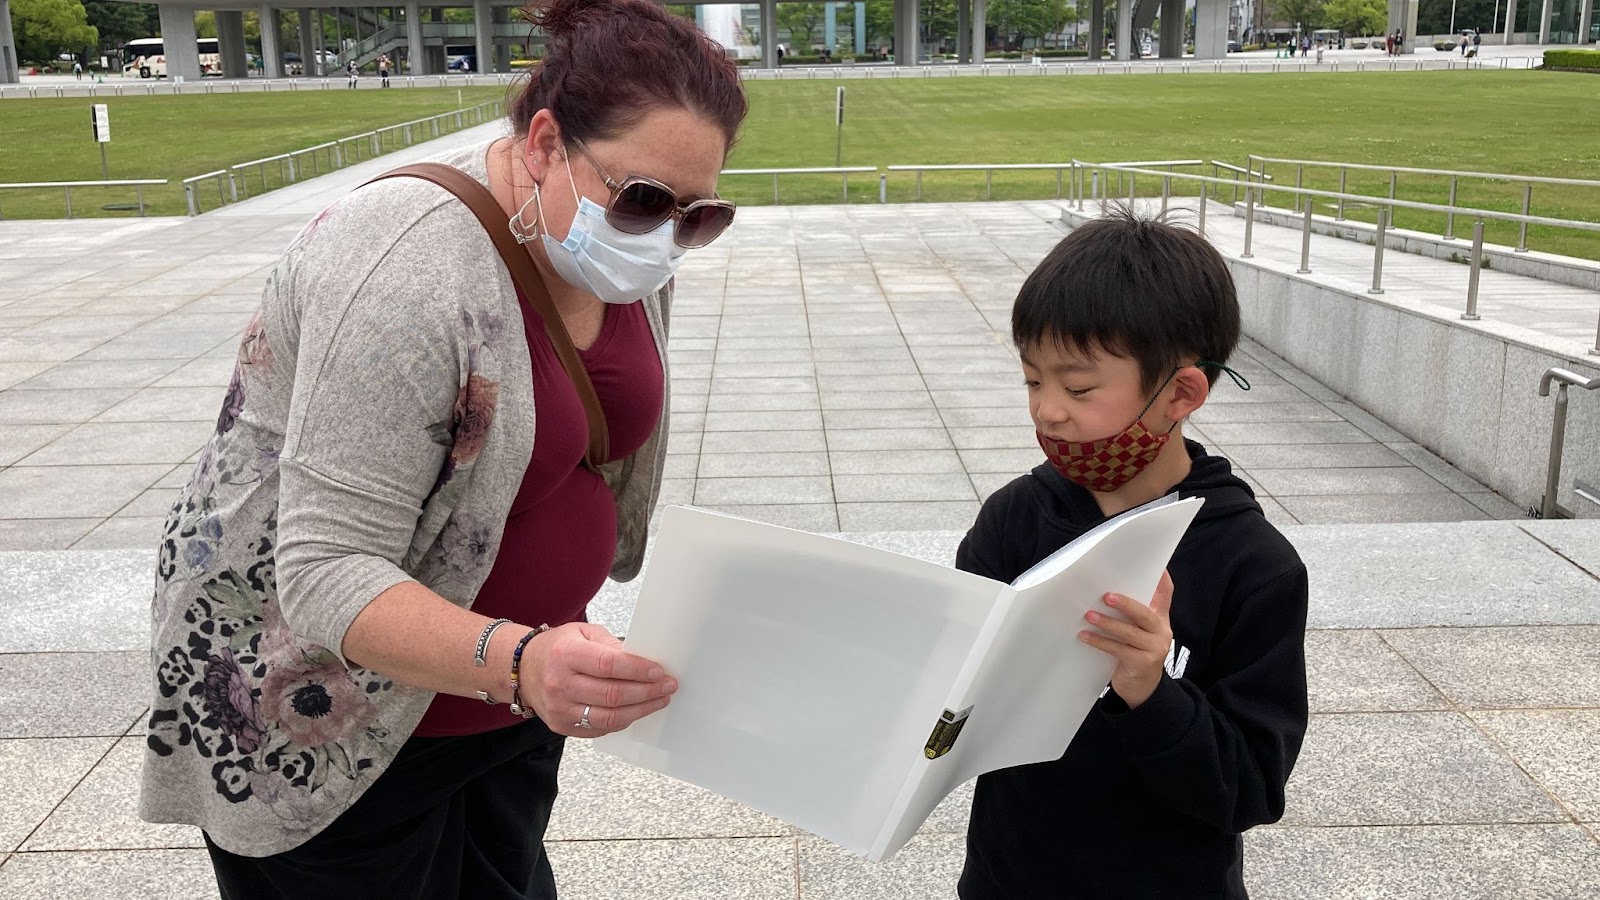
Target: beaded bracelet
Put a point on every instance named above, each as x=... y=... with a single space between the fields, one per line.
x=517 y=708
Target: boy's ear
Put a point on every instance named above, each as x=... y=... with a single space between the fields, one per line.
x=1190 y=388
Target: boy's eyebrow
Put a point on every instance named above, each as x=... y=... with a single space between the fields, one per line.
x=1062 y=368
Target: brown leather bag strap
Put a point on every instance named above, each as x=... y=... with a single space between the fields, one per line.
x=526 y=277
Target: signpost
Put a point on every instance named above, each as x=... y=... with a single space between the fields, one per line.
x=101 y=119
x=838 y=116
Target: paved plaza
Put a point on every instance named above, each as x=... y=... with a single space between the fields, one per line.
x=839 y=369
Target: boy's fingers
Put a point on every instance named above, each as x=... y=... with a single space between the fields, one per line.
x=1131 y=634
x=1137 y=613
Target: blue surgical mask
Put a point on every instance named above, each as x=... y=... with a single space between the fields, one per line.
x=613 y=265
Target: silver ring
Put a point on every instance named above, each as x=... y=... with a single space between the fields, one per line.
x=583 y=722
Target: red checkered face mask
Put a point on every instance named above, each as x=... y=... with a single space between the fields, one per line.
x=1112 y=462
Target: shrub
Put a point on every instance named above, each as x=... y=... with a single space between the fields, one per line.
x=1572 y=59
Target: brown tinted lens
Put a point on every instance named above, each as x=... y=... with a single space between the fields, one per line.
x=702 y=225
x=640 y=207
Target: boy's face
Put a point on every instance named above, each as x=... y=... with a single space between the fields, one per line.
x=1086 y=397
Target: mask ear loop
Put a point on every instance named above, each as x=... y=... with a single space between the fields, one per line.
x=1244 y=385
x=520 y=229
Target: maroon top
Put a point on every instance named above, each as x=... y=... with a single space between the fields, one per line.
x=561 y=533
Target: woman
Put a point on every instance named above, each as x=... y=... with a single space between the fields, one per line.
x=398 y=466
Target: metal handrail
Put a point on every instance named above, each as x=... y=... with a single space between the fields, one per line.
x=190 y=196
x=1386 y=205
x=138 y=184
x=845 y=171
x=1463 y=173
x=1455 y=175
x=1380 y=201
x=1550 y=509
x=989 y=169
x=343 y=151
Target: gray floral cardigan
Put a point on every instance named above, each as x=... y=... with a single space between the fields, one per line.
x=377 y=427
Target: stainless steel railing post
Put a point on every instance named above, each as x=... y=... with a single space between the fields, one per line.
x=1202 y=209
x=1305 y=242
x=1377 y=252
x=1550 y=509
x=1249 y=219
x=1450 y=217
x=1527 y=203
x=1339 y=216
x=1471 y=315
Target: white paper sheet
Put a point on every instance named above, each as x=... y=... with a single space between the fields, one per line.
x=812 y=670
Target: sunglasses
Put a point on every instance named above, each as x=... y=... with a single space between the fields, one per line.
x=639 y=205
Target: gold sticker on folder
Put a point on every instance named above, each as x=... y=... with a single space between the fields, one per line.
x=945 y=732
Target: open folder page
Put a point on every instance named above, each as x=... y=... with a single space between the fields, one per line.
x=817 y=677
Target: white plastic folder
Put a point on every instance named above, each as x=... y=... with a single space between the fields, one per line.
x=847 y=689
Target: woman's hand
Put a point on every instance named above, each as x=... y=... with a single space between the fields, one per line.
x=582 y=665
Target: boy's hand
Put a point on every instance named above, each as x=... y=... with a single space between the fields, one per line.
x=1139 y=640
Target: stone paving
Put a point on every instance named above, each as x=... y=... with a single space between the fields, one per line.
x=837 y=369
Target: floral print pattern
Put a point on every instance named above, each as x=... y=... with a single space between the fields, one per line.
x=276 y=720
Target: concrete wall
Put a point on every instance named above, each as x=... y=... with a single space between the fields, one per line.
x=1464 y=391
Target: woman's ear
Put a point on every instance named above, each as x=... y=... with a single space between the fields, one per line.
x=1190 y=388
x=542 y=148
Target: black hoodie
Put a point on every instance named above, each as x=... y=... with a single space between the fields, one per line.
x=1150 y=803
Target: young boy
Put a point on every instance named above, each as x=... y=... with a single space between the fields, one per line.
x=1123 y=330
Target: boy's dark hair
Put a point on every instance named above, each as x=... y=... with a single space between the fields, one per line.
x=1138 y=288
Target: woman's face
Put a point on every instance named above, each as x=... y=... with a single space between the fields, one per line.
x=678 y=148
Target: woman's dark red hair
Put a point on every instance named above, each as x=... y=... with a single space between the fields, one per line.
x=607 y=63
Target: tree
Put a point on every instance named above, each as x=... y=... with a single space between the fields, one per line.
x=1357 y=17
x=119 y=23
x=801 y=21
x=45 y=28
x=1307 y=14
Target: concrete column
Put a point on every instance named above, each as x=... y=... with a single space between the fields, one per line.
x=1544 y=21
x=303 y=36
x=963 y=31
x=319 y=38
x=1585 y=20
x=416 y=60
x=179 y=41
x=483 y=35
x=980 y=30
x=830 y=27
x=861 y=29
x=8 y=47
x=907 y=33
x=1511 y=21
x=769 y=33
x=1210 y=29
x=1403 y=18
x=1097 y=29
x=1124 y=30
x=502 y=51
x=230 y=43
x=271 y=52
x=1172 y=16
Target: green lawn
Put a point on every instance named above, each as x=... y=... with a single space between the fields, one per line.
x=1517 y=122
x=177 y=137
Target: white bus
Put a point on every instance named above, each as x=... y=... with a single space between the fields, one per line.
x=147 y=58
